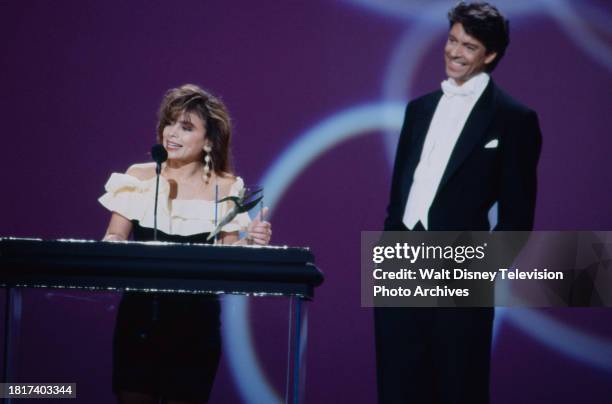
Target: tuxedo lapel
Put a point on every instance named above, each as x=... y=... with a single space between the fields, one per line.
x=419 y=132
x=472 y=132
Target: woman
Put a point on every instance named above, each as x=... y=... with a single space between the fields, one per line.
x=167 y=346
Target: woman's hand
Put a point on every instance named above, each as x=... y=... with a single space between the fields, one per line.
x=259 y=231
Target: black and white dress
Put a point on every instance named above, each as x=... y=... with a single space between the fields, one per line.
x=167 y=344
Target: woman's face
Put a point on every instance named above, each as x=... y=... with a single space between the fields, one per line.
x=184 y=139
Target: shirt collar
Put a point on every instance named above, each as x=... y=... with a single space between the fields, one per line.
x=474 y=86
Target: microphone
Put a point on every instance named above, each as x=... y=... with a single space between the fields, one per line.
x=159 y=155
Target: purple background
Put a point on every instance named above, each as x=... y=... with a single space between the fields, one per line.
x=82 y=82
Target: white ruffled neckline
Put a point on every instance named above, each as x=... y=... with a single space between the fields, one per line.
x=134 y=199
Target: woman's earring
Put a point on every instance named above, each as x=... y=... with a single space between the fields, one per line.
x=207 y=163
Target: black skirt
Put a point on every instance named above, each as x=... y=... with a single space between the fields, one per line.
x=167 y=345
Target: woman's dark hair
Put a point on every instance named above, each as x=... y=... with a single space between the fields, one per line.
x=191 y=98
x=485 y=23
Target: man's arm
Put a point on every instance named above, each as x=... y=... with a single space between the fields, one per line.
x=393 y=209
x=518 y=187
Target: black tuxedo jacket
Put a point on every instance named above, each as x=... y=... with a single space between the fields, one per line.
x=475 y=177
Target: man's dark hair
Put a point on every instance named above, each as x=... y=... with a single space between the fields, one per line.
x=485 y=23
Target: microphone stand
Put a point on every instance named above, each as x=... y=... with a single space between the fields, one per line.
x=216 y=208
x=159 y=155
x=157 y=172
x=155 y=306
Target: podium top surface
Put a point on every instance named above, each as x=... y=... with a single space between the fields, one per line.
x=158 y=266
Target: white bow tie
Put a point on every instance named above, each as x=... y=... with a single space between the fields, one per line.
x=450 y=89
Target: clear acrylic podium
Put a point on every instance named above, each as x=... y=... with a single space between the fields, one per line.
x=284 y=274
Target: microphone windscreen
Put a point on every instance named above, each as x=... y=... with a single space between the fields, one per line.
x=159 y=154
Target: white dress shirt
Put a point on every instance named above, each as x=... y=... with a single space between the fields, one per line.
x=446 y=125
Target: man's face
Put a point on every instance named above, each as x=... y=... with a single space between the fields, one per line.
x=464 y=55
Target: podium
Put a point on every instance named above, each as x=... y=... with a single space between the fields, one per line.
x=160 y=267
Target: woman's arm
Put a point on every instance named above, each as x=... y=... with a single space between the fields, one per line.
x=119 y=228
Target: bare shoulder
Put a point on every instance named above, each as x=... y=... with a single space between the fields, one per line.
x=227 y=180
x=142 y=171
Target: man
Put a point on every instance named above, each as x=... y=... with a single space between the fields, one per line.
x=461 y=150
